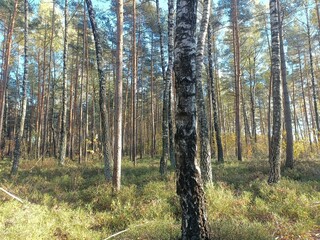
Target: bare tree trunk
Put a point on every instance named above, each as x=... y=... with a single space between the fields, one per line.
x=169 y=79
x=153 y=127
x=80 y=124
x=205 y=153
x=304 y=100
x=245 y=117
x=134 y=87
x=63 y=135
x=252 y=80
x=236 y=46
x=102 y=93
x=216 y=121
x=118 y=102
x=19 y=134
x=189 y=184
x=5 y=65
x=86 y=132
x=165 y=123
x=314 y=87
x=286 y=102
x=274 y=155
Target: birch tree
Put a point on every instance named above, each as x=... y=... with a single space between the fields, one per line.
x=189 y=183
x=63 y=135
x=205 y=151
x=118 y=101
x=102 y=93
x=275 y=145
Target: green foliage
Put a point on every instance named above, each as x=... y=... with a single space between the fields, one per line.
x=74 y=202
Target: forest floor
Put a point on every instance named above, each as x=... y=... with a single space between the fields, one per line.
x=74 y=202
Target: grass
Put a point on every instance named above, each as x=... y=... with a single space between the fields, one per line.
x=74 y=202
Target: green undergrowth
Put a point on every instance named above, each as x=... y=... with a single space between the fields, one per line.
x=74 y=202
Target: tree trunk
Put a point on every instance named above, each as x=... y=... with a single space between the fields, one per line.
x=102 y=93
x=165 y=123
x=189 y=184
x=216 y=121
x=134 y=86
x=63 y=135
x=5 y=71
x=169 y=79
x=286 y=102
x=153 y=126
x=275 y=147
x=314 y=87
x=205 y=153
x=19 y=134
x=236 y=52
x=304 y=100
x=118 y=102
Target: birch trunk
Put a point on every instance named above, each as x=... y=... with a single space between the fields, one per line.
x=205 y=153
x=169 y=78
x=63 y=135
x=275 y=147
x=102 y=93
x=118 y=102
x=189 y=184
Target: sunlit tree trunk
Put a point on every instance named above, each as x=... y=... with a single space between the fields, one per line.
x=216 y=121
x=134 y=86
x=102 y=93
x=19 y=134
x=286 y=99
x=165 y=123
x=304 y=100
x=86 y=57
x=169 y=79
x=205 y=152
x=236 y=52
x=275 y=147
x=118 y=101
x=48 y=118
x=313 y=82
x=5 y=66
x=63 y=135
x=153 y=126
x=189 y=184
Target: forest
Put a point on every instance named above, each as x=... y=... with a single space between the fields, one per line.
x=160 y=119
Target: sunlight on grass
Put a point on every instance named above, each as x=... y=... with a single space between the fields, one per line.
x=74 y=202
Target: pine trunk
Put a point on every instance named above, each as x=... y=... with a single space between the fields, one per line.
x=19 y=134
x=216 y=121
x=236 y=52
x=165 y=123
x=5 y=70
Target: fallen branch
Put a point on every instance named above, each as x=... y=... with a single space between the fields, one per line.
x=11 y=195
x=123 y=231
